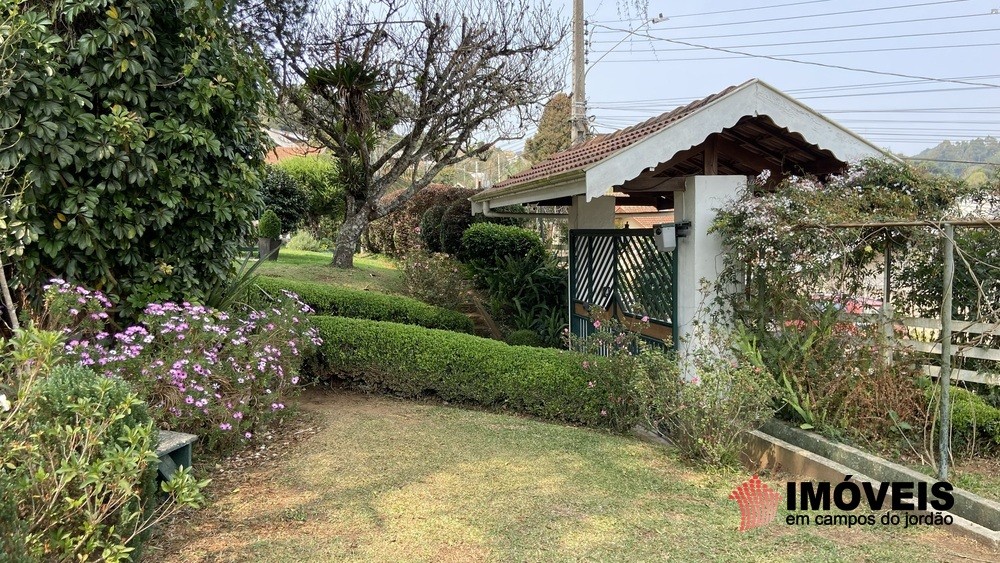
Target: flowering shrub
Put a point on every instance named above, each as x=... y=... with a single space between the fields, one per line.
x=73 y=308
x=204 y=371
x=618 y=361
x=437 y=279
x=707 y=415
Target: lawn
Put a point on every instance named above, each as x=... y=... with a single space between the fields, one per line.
x=371 y=271
x=389 y=480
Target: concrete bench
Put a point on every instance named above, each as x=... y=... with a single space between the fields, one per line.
x=174 y=450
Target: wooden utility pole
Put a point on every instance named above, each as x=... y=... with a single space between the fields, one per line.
x=578 y=112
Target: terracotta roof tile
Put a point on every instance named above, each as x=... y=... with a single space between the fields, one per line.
x=597 y=148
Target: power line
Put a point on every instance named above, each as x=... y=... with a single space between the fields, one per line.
x=782 y=58
x=823 y=41
x=949 y=161
x=679 y=16
x=810 y=29
x=806 y=16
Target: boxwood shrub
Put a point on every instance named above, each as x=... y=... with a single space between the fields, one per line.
x=343 y=302
x=413 y=361
x=489 y=244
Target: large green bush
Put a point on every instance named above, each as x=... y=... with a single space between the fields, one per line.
x=430 y=227
x=282 y=193
x=489 y=244
x=316 y=176
x=137 y=128
x=79 y=468
x=400 y=232
x=456 y=218
x=338 y=301
x=409 y=360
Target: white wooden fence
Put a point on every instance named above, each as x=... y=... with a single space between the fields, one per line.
x=924 y=335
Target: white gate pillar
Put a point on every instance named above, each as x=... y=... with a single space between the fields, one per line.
x=598 y=213
x=699 y=254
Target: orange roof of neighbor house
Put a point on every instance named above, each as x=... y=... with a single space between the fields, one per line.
x=600 y=146
x=277 y=154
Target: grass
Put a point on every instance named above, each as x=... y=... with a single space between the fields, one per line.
x=371 y=271
x=388 y=480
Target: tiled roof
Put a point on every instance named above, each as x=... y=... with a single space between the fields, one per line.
x=597 y=148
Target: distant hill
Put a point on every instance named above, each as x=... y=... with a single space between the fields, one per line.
x=977 y=150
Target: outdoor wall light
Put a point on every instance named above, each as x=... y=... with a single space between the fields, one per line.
x=666 y=234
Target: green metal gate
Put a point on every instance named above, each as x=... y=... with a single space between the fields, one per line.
x=621 y=272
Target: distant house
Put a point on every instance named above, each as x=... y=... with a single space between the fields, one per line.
x=288 y=145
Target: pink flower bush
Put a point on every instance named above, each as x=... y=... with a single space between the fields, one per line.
x=205 y=371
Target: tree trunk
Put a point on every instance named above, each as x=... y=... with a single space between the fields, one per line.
x=348 y=238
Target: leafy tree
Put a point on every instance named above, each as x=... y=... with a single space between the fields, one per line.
x=399 y=89
x=282 y=193
x=135 y=127
x=316 y=176
x=554 y=130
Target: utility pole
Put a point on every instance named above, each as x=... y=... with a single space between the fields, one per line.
x=578 y=113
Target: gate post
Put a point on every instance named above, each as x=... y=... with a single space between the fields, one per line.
x=699 y=254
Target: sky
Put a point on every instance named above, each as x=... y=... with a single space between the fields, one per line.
x=906 y=75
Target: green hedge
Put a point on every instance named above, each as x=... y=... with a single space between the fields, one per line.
x=489 y=244
x=973 y=419
x=414 y=361
x=342 y=302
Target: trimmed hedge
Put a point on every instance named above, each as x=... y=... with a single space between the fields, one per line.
x=413 y=361
x=490 y=244
x=342 y=302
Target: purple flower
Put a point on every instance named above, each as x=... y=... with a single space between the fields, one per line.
x=225 y=426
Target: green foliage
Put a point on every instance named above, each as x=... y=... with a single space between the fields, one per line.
x=554 y=130
x=270 y=225
x=974 y=422
x=430 y=227
x=282 y=193
x=79 y=469
x=986 y=149
x=400 y=232
x=487 y=245
x=524 y=337
x=333 y=300
x=413 y=360
x=304 y=240
x=828 y=361
x=454 y=221
x=136 y=126
x=707 y=416
x=526 y=292
x=317 y=177
x=437 y=279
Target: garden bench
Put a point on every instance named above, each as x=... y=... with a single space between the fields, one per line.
x=174 y=450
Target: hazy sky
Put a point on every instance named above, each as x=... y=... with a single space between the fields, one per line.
x=940 y=62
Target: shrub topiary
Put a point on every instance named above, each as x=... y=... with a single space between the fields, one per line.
x=524 y=337
x=410 y=360
x=282 y=193
x=270 y=225
x=430 y=227
x=454 y=221
x=400 y=232
x=332 y=300
x=488 y=244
